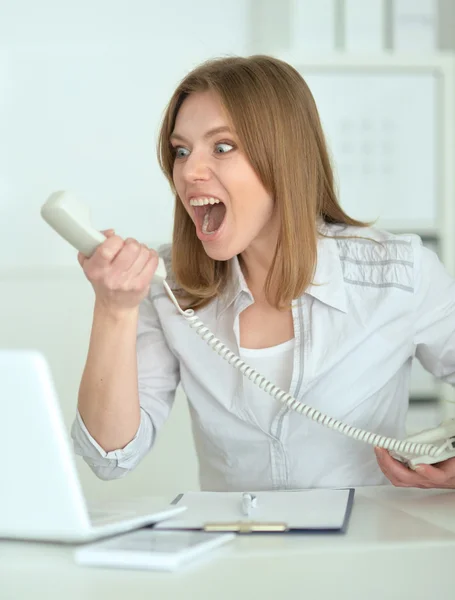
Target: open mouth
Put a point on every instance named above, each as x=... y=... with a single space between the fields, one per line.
x=210 y=213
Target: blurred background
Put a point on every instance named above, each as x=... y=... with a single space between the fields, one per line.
x=83 y=86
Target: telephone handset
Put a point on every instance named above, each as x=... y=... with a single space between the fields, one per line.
x=71 y=219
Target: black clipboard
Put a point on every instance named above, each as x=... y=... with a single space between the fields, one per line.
x=252 y=525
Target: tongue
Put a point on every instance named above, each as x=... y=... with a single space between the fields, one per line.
x=216 y=216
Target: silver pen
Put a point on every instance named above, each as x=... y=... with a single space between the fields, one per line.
x=249 y=501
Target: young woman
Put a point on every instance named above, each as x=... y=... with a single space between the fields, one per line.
x=328 y=308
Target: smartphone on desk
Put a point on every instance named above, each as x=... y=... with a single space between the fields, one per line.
x=151 y=549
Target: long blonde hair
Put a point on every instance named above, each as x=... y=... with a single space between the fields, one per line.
x=277 y=123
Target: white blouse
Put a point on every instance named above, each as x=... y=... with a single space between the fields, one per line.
x=275 y=363
x=375 y=305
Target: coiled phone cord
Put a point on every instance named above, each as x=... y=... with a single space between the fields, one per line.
x=374 y=439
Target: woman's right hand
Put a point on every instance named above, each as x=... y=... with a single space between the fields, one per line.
x=120 y=272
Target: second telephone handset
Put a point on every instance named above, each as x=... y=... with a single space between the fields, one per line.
x=71 y=219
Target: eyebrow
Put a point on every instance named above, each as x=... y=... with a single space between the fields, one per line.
x=210 y=133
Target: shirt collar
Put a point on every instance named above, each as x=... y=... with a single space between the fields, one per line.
x=235 y=287
x=328 y=283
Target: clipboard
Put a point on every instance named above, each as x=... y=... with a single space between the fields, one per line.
x=299 y=511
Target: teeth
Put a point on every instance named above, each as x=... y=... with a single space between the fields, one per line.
x=203 y=201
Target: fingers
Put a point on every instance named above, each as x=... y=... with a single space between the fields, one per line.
x=105 y=253
x=125 y=258
x=81 y=258
x=137 y=276
x=120 y=265
x=146 y=274
x=396 y=471
x=441 y=474
x=423 y=476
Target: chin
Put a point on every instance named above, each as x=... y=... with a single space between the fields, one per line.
x=219 y=253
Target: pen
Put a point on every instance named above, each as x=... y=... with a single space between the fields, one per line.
x=249 y=501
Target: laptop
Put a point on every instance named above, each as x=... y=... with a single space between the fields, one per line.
x=41 y=497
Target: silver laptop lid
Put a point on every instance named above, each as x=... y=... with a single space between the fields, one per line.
x=40 y=493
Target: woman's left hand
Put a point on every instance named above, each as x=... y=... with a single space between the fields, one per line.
x=440 y=475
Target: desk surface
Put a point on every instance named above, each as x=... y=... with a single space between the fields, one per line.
x=400 y=544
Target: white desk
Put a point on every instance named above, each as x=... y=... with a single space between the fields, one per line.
x=400 y=544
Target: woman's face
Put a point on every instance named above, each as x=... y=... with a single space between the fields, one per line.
x=229 y=206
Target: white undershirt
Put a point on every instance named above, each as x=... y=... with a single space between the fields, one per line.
x=276 y=364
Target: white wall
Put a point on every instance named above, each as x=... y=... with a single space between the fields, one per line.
x=270 y=27
x=83 y=86
x=82 y=89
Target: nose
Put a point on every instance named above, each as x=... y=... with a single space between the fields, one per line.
x=196 y=167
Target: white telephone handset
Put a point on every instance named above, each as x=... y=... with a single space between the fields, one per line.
x=71 y=219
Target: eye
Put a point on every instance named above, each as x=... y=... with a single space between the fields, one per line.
x=223 y=148
x=180 y=151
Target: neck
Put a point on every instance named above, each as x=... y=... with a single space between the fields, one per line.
x=255 y=262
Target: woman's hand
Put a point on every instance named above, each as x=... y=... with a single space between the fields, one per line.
x=120 y=271
x=440 y=475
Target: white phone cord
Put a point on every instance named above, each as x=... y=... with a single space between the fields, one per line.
x=312 y=413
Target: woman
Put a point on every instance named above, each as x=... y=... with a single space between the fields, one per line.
x=326 y=307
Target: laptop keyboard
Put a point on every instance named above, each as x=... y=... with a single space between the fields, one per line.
x=103 y=517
